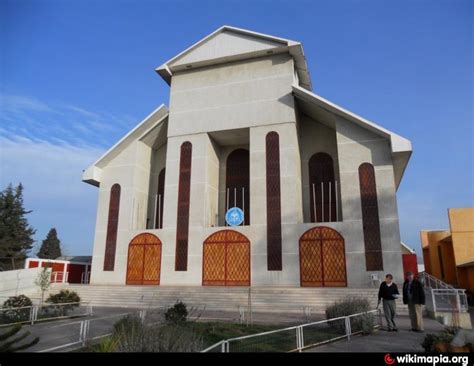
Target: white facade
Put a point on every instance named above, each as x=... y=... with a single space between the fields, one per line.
x=228 y=91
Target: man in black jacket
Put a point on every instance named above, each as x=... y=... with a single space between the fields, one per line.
x=414 y=297
x=388 y=291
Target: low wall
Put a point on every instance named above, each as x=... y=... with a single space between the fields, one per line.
x=18 y=282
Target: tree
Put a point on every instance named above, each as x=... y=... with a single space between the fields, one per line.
x=43 y=281
x=16 y=235
x=8 y=344
x=51 y=246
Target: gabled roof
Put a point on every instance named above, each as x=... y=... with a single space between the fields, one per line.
x=92 y=174
x=401 y=147
x=228 y=44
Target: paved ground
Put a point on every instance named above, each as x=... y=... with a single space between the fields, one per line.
x=382 y=341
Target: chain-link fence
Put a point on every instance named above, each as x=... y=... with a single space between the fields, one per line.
x=299 y=337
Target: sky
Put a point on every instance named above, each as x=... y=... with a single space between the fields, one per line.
x=75 y=76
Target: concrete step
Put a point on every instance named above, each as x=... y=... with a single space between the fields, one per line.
x=263 y=299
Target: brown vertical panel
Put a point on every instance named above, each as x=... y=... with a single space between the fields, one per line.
x=238 y=178
x=370 y=218
x=321 y=170
x=112 y=226
x=160 y=193
x=274 y=260
x=184 y=191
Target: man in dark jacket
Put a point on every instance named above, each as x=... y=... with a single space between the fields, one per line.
x=414 y=297
x=388 y=292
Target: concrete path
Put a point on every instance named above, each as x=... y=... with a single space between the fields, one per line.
x=382 y=341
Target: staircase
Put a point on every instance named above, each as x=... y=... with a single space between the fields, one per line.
x=263 y=299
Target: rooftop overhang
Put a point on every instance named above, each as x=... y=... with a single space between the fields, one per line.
x=466 y=264
x=279 y=45
x=411 y=250
x=400 y=146
x=149 y=130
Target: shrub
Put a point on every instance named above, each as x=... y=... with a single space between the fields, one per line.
x=177 y=313
x=63 y=297
x=17 y=315
x=431 y=340
x=10 y=338
x=363 y=323
x=131 y=335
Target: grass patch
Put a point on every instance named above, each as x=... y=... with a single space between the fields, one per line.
x=213 y=332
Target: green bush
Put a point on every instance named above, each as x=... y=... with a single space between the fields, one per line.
x=131 y=335
x=431 y=339
x=17 y=315
x=62 y=297
x=362 y=323
x=177 y=313
x=10 y=339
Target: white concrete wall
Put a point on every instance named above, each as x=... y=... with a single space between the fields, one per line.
x=356 y=146
x=235 y=95
x=19 y=282
x=130 y=169
x=255 y=95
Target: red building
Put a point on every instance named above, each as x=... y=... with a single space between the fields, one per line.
x=64 y=269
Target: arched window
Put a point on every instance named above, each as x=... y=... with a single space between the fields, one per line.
x=184 y=192
x=322 y=188
x=238 y=181
x=274 y=260
x=370 y=218
x=160 y=198
x=112 y=226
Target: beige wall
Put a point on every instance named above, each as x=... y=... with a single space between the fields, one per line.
x=461 y=222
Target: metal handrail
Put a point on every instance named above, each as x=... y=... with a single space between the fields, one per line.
x=224 y=344
x=432 y=279
x=34 y=310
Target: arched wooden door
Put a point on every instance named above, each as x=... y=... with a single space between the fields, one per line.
x=226 y=259
x=144 y=260
x=322 y=258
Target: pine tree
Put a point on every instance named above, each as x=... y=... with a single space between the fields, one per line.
x=16 y=235
x=51 y=246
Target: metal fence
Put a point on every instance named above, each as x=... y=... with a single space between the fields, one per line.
x=297 y=338
x=442 y=296
x=430 y=281
x=86 y=332
x=451 y=300
x=37 y=313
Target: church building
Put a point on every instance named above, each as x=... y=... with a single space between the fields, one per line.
x=248 y=178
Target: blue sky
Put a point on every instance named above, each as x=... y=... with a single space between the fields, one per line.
x=77 y=75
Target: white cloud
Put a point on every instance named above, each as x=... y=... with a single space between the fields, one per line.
x=35 y=119
x=51 y=175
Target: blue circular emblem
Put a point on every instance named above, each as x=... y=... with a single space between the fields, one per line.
x=234 y=216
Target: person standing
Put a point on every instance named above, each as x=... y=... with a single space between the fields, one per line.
x=414 y=297
x=388 y=292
